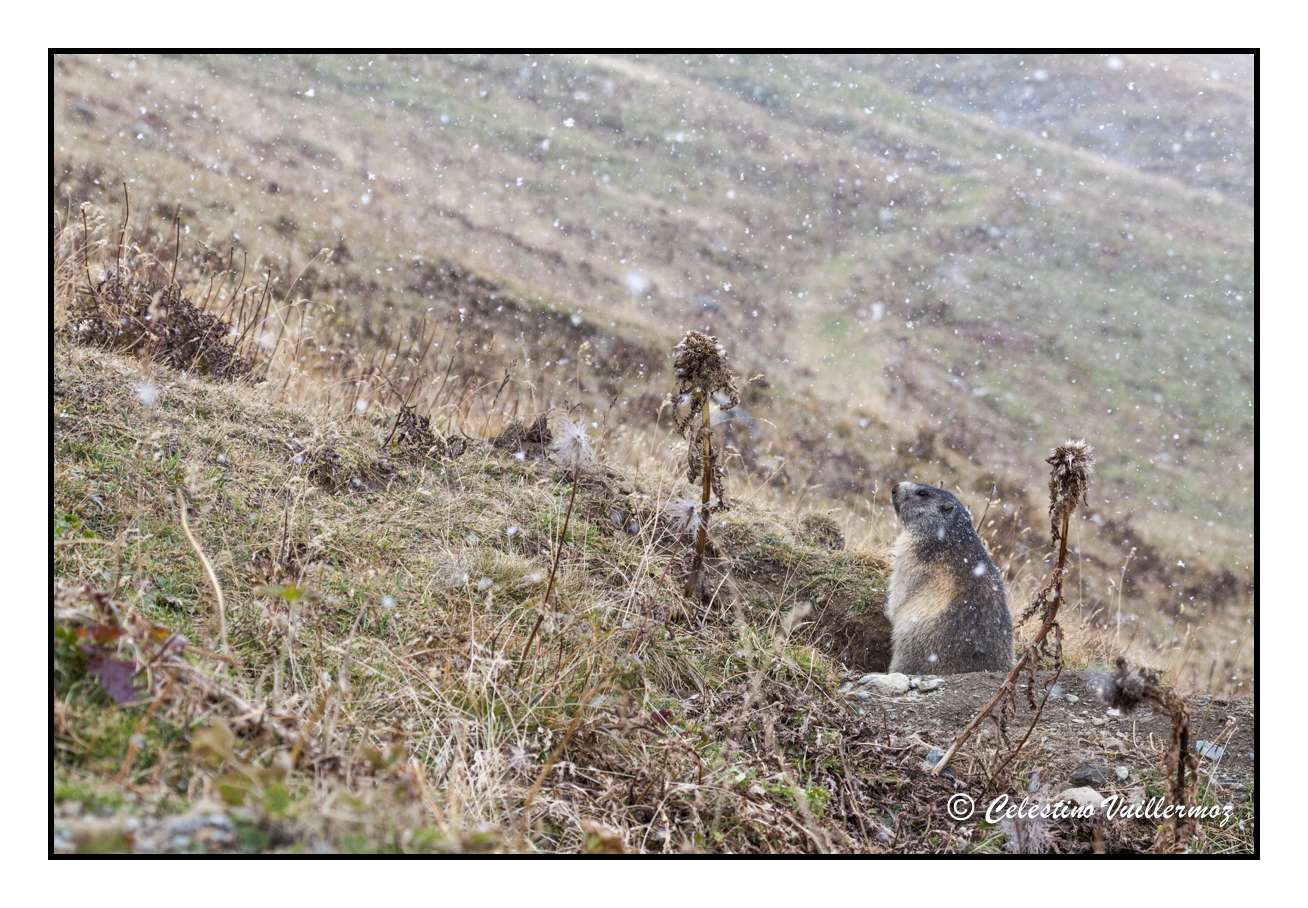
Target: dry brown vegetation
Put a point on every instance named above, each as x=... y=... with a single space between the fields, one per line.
x=362 y=438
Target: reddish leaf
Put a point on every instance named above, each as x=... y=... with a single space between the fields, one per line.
x=116 y=676
x=99 y=634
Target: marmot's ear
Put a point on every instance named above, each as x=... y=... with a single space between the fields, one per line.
x=946 y=507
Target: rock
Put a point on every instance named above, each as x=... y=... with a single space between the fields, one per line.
x=1072 y=698
x=878 y=683
x=893 y=684
x=1082 y=797
x=934 y=756
x=207 y=826
x=927 y=684
x=1209 y=750
x=1094 y=775
x=1122 y=773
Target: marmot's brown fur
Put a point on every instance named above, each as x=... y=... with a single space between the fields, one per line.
x=947 y=605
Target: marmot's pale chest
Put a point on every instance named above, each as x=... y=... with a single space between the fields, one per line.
x=947 y=606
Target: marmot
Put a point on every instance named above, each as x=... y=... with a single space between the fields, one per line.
x=947 y=605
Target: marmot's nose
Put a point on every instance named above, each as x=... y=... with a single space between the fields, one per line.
x=900 y=491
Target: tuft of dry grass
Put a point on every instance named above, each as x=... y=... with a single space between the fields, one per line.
x=154 y=320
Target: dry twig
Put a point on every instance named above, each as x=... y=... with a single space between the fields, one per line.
x=208 y=572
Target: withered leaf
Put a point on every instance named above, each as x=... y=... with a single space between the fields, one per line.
x=213 y=744
x=116 y=676
x=99 y=634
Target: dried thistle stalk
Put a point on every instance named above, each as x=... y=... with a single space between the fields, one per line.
x=1127 y=689
x=700 y=365
x=1071 y=466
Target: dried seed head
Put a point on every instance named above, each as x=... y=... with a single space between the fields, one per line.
x=1127 y=687
x=572 y=448
x=683 y=516
x=700 y=364
x=1026 y=834
x=1071 y=466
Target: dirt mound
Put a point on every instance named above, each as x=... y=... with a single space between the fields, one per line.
x=1078 y=743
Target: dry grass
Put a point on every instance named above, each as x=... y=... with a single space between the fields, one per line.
x=369 y=702
x=369 y=619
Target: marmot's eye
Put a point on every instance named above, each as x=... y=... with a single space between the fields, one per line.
x=923 y=493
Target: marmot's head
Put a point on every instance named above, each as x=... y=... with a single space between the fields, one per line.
x=927 y=511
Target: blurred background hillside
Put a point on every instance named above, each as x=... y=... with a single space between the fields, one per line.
x=932 y=267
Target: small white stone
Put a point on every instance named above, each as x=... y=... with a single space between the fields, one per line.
x=1082 y=797
x=892 y=683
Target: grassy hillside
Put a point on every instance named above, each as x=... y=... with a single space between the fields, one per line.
x=365 y=682
x=850 y=232
x=1189 y=117
x=377 y=608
